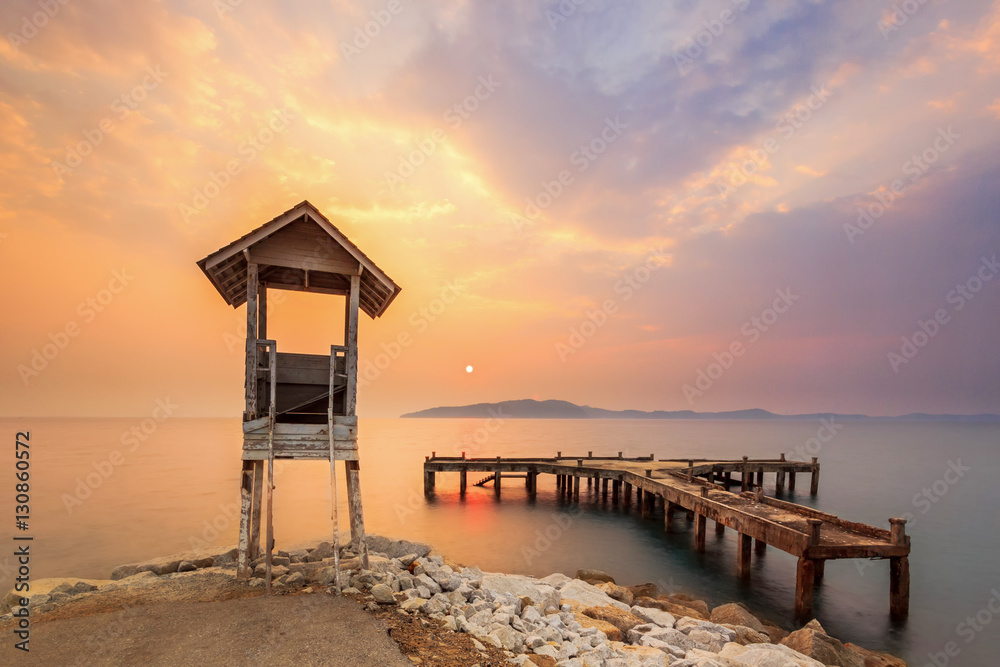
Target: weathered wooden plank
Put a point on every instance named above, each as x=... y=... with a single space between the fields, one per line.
x=246 y=489
x=251 y=349
x=258 y=489
x=351 y=340
x=301 y=455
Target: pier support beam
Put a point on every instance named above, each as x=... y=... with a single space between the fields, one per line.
x=668 y=516
x=727 y=480
x=720 y=528
x=700 y=524
x=743 y=555
x=604 y=487
x=760 y=478
x=463 y=481
x=899 y=574
x=805 y=576
x=428 y=482
x=496 y=482
x=745 y=476
x=791 y=481
x=615 y=489
x=760 y=547
x=699 y=532
x=628 y=494
x=814 y=487
x=576 y=487
x=899 y=588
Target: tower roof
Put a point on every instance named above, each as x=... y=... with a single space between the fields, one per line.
x=299 y=250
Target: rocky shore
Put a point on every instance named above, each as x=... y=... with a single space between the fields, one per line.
x=442 y=613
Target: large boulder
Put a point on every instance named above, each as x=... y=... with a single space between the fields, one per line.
x=589 y=595
x=612 y=632
x=658 y=616
x=766 y=655
x=616 y=592
x=594 y=576
x=621 y=619
x=745 y=635
x=520 y=586
x=876 y=659
x=396 y=548
x=643 y=656
x=170 y=564
x=813 y=641
x=736 y=614
x=645 y=591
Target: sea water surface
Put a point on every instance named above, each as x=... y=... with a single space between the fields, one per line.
x=100 y=498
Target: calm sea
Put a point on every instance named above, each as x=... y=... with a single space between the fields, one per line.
x=176 y=486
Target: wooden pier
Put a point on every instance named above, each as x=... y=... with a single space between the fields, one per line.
x=730 y=493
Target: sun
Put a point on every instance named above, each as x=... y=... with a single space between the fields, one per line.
x=468 y=369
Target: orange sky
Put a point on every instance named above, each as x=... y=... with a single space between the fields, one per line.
x=616 y=197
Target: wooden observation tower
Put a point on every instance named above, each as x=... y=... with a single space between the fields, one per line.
x=298 y=406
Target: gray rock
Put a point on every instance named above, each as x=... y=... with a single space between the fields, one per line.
x=589 y=595
x=296 y=579
x=396 y=548
x=594 y=576
x=519 y=586
x=383 y=594
x=186 y=566
x=657 y=616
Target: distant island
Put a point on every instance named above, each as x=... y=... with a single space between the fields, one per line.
x=532 y=409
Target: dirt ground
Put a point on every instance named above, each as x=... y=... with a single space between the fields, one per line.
x=220 y=622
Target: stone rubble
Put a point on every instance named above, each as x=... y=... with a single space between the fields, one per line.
x=554 y=620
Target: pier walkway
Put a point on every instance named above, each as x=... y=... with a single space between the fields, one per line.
x=729 y=493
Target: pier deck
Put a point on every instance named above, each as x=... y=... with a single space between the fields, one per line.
x=705 y=491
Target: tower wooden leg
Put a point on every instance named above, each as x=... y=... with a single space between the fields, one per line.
x=356 y=511
x=246 y=498
x=463 y=481
x=257 y=502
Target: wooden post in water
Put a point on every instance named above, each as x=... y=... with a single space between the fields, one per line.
x=428 y=482
x=779 y=478
x=899 y=574
x=745 y=476
x=700 y=525
x=628 y=494
x=720 y=528
x=615 y=489
x=791 y=481
x=814 y=487
x=463 y=480
x=668 y=516
x=727 y=480
x=576 y=487
x=638 y=498
x=743 y=555
x=760 y=547
x=604 y=487
x=760 y=479
x=805 y=577
x=496 y=482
